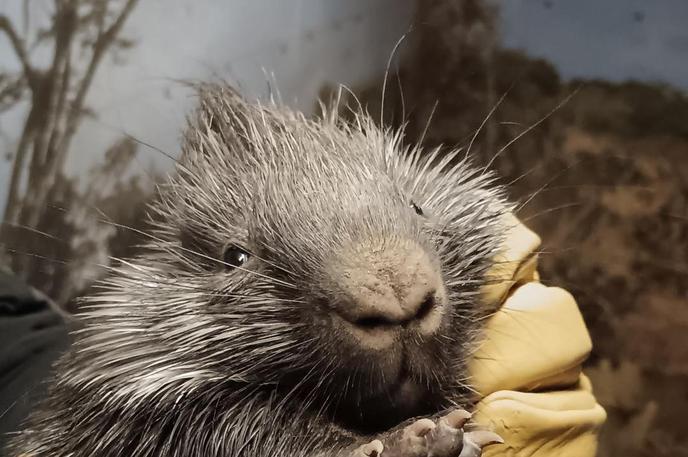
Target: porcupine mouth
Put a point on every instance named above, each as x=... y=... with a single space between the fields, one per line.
x=404 y=390
x=395 y=402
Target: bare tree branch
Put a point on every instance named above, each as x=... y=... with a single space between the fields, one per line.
x=12 y=206
x=47 y=116
x=11 y=91
x=19 y=49
x=62 y=80
x=58 y=96
x=102 y=44
x=65 y=25
x=25 y=16
x=56 y=159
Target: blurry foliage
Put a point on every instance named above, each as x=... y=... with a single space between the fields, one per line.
x=76 y=36
x=99 y=216
x=88 y=221
x=640 y=109
x=602 y=176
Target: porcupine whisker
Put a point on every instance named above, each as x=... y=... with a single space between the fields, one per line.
x=204 y=290
x=207 y=257
x=386 y=76
x=484 y=122
x=42 y=257
x=551 y=210
x=542 y=188
x=428 y=122
x=540 y=164
x=602 y=186
x=32 y=230
x=401 y=97
x=532 y=126
x=99 y=283
x=306 y=378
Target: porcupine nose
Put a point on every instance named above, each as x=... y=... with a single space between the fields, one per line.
x=389 y=289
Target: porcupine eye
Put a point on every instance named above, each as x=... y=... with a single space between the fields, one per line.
x=234 y=257
x=416 y=208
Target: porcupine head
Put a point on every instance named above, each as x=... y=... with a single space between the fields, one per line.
x=313 y=262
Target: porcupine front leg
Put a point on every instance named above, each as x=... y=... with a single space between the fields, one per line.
x=440 y=436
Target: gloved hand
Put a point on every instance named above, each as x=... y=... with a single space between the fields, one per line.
x=528 y=368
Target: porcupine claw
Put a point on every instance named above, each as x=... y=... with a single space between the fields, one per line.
x=443 y=437
x=372 y=449
x=474 y=442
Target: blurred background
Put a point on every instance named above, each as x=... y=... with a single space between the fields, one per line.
x=580 y=107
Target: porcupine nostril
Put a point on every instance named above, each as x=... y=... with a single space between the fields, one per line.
x=388 y=317
x=426 y=306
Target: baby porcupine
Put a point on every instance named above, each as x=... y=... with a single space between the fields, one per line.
x=309 y=287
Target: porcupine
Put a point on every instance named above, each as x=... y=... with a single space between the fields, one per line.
x=311 y=288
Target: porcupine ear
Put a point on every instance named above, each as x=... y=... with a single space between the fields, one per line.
x=222 y=108
x=219 y=121
x=215 y=148
x=222 y=113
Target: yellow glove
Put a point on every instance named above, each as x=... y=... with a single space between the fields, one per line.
x=528 y=368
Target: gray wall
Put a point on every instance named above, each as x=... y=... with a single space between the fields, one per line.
x=301 y=44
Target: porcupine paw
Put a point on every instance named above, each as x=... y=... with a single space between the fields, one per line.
x=442 y=437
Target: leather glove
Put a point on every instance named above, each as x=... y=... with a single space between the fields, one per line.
x=527 y=370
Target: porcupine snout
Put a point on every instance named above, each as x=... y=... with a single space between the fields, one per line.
x=387 y=291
